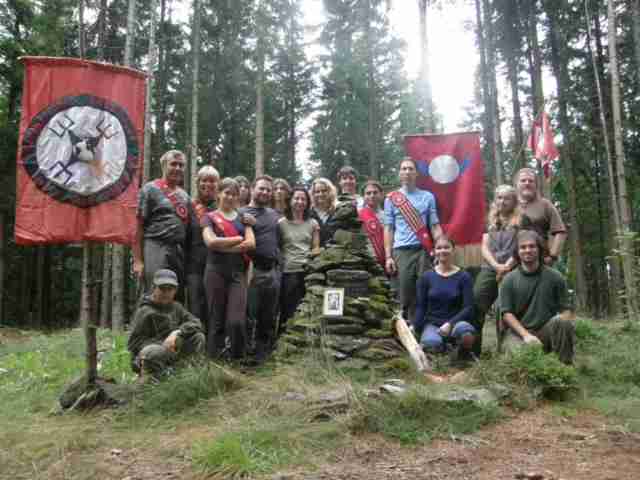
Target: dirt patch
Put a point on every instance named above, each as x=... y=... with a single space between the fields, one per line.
x=535 y=445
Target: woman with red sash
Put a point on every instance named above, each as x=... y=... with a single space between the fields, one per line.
x=372 y=215
x=225 y=276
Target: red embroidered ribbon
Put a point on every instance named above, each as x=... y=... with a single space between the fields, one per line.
x=228 y=230
x=181 y=210
x=413 y=219
x=375 y=231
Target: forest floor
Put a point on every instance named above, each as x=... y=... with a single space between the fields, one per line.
x=308 y=420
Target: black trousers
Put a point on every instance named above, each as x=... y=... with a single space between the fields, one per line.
x=292 y=291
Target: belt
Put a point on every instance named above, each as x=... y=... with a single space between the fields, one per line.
x=409 y=247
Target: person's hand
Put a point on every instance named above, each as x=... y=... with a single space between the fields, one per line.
x=248 y=219
x=138 y=268
x=390 y=266
x=501 y=271
x=170 y=343
x=531 y=339
x=445 y=330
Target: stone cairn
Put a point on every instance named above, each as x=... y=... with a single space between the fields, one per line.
x=363 y=336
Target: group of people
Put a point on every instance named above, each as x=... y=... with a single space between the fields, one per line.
x=241 y=248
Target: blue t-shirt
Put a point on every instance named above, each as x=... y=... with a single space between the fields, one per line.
x=443 y=299
x=424 y=202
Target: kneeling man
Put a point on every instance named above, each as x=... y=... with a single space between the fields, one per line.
x=534 y=302
x=163 y=330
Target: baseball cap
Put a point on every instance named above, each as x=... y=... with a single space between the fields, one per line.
x=165 y=277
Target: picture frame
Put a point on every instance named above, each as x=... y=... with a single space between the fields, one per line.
x=333 y=304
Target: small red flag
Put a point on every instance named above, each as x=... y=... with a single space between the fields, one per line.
x=542 y=144
x=79 y=151
x=450 y=166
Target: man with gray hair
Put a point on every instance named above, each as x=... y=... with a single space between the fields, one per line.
x=534 y=302
x=163 y=331
x=164 y=214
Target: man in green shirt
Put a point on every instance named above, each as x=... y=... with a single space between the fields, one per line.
x=534 y=302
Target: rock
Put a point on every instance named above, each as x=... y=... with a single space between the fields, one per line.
x=81 y=396
x=458 y=393
x=294 y=397
x=378 y=333
x=315 y=279
x=346 y=343
x=345 y=329
x=344 y=320
x=376 y=354
x=393 y=389
x=355 y=364
x=317 y=290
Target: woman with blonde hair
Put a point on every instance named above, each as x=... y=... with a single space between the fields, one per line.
x=497 y=247
x=204 y=201
x=323 y=200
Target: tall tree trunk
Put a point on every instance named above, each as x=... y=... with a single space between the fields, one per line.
x=38 y=297
x=374 y=166
x=102 y=29
x=625 y=232
x=513 y=53
x=259 y=165
x=194 y=97
x=2 y=263
x=153 y=53
x=535 y=73
x=635 y=16
x=494 y=109
x=559 y=63
x=81 y=32
x=424 y=82
x=118 y=271
x=105 y=297
x=131 y=33
x=163 y=72
x=615 y=218
x=487 y=100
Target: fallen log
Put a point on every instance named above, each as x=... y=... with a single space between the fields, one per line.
x=405 y=335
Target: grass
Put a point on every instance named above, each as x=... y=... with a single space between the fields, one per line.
x=418 y=418
x=227 y=422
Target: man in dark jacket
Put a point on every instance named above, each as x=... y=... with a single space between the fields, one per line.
x=163 y=330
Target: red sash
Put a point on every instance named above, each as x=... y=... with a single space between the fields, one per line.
x=201 y=211
x=228 y=230
x=413 y=219
x=181 y=210
x=375 y=231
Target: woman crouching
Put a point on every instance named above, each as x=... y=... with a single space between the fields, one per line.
x=444 y=309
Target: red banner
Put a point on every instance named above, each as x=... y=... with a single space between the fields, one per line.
x=450 y=167
x=79 y=152
x=542 y=143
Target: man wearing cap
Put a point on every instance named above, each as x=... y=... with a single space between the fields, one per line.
x=164 y=332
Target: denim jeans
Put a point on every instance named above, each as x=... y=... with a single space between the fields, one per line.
x=433 y=341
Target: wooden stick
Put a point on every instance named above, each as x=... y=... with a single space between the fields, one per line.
x=405 y=335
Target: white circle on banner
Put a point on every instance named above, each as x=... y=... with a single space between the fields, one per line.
x=82 y=149
x=444 y=169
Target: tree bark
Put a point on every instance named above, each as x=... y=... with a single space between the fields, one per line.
x=374 y=166
x=559 y=63
x=494 y=108
x=513 y=53
x=625 y=232
x=635 y=16
x=194 y=97
x=153 y=52
x=259 y=161
x=88 y=314
x=81 y=31
x=2 y=266
x=131 y=33
x=424 y=81
x=102 y=29
x=487 y=100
